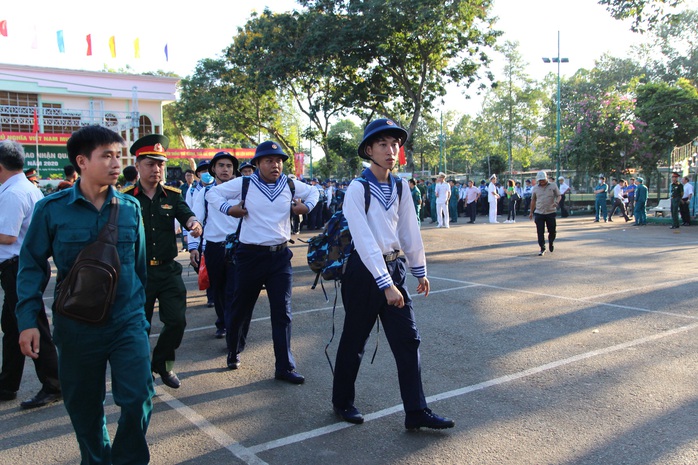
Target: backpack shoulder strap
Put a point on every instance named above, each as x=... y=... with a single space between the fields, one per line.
x=291 y=186
x=367 y=191
x=245 y=186
x=398 y=185
x=110 y=231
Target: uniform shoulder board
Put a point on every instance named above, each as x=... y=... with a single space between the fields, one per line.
x=172 y=189
x=128 y=189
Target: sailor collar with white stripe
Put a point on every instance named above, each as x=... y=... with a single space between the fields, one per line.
x=270 y=190
x=376 y=190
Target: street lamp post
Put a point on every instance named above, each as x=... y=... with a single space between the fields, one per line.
x=441 y=145
x=557 y=60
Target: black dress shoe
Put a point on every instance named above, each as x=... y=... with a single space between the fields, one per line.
x=551 y=247
x=41 y=398
x=350 y=414
x=233 y=360
x=542 y=252
x=426 y=419
x=289 y=376
x=220 y=333
x=169 y=378
x=7 y=395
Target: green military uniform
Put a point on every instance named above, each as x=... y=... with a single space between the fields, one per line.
x=431 y=190
x=417 y=200
x=453 y=204
x=164 y=282
x=676 y=195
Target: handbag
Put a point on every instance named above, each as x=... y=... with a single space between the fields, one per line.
x=88 y=291
x=204 y=282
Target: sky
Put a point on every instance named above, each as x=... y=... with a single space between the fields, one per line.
x=587 y=31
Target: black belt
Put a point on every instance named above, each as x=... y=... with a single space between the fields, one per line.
x=392 y=256
x=158 y=262
x=221 y=243
x=265 y=248
x=7 y=263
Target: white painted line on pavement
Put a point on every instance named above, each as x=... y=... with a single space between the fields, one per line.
x=468 y=389
x=218 y=435
x=574 y=299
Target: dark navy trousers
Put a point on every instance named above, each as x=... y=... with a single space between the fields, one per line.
x=254 y=268
x=364 y=302
x=221 y=276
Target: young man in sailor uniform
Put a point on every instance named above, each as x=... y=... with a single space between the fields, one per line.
x=217 y=226
x=373 y=284
x=263 y=258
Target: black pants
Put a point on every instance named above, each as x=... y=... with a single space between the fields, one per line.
x=46 y=365
x=364 y=303
x=685 y=213
x=563 y=208
x=471 y=211
x=542 y=222
x=617 y=204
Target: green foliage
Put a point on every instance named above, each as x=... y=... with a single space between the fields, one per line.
x=646 y=14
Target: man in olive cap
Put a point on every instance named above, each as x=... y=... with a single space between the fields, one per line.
x=161 y=205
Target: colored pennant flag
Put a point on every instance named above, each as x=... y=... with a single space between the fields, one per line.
x=137 y=48
x=112 y=46
x=3 y=28
x=61 y=43
x=89 y=44
x=35 y=129
x=401 y=156
x=167 y=55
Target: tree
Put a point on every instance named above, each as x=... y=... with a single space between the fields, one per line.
x=400 y=68
x=645 y=14
x=671 y=115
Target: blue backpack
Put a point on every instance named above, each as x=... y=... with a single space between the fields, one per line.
x=329 y=251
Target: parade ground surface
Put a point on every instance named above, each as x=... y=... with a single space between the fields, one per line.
x=583 y=356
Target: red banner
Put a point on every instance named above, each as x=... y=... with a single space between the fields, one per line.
x=240 y=154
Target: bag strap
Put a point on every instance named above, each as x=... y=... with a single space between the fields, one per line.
x=243 y=195
x=109 y=234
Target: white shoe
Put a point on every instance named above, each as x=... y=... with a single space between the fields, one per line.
x=513 y=221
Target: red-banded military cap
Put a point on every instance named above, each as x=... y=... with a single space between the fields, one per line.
x=151 y=146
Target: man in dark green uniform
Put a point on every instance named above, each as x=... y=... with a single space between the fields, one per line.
x=676 y=195
x=453 y=201
x=64 y=224
x=161 y=205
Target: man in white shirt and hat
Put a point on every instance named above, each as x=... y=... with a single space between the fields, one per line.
x=493 y=198
x=443 y=193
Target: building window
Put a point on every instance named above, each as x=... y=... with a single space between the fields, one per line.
x=58 y=121
x=16 y=111
x=145 y=126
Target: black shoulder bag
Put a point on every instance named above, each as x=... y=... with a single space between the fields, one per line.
x=87 y=293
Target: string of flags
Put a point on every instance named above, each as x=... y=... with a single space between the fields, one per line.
x=60 y=42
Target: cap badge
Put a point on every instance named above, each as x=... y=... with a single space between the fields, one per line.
x=274 y=146
x=389 y=123
x=158 y=148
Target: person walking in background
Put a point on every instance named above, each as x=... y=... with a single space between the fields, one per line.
x=676 y=196
x=18 y=197
x=617 y=202
x=511 y=201
x=493 y=198
x=416 y=197
x=472 y=195
x=527 y=190
x=544 y=201
x=442 y=192
x=601 y=191
x=453 y=201
x=686 y=201
x=640 y=202
x=564 y=191
x=630 y=196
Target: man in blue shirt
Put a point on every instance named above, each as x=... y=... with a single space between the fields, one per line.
x=62 y=225
x=601 y=191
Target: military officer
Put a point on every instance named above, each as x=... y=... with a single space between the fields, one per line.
x=676 y=195
x=161 y=205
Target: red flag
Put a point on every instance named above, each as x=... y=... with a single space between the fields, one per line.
x=401 y=156
x=35 y=129
x=89 y=44
x=3 y=28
